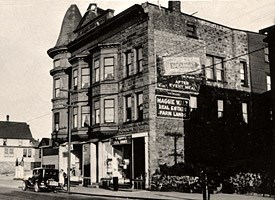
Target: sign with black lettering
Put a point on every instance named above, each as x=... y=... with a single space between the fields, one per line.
x=172 y=107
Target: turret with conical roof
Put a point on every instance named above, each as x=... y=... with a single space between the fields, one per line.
x=66 y=35
x=60 y=57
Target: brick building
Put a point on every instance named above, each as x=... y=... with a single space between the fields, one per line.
x=134 y=77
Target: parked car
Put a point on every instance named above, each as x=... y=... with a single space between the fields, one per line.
x=42 y=179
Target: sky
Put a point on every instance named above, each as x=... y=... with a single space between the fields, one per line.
x=30 y=27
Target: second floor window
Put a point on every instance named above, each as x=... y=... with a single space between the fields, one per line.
x=85 y=116
x=128 y=108
x=75 y=118
x=9 y=152
x=56 y=88
x=243 y=73
x=29 y=153
x=268 y=82
x=109 y=111
x=56 y=121
x=139 y=59
x=220 y=108
x=96 y=69
x=25 y=152
x=108 y=68
x=85 y=78
x=97 y=112
x=128 y=63
x=75 y=79
x=214 y=69
x=139 y=106
x=193 y=103
x=244 y=112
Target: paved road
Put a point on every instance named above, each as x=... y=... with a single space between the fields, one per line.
x=18 y=194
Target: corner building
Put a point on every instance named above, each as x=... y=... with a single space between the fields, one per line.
x=134 y=79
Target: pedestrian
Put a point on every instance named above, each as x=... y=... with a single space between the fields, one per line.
x=62 y=178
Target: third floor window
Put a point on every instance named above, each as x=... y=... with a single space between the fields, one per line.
x=75 y=79
x=243 y=73
x=109 y=68
x=56 y=88
x=128 y=63
x=139 y=59
x=85 y=77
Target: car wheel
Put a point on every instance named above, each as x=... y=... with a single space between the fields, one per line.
x=36 y=187
x=24 y=186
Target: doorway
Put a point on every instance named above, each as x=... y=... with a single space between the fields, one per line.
x=139 y=158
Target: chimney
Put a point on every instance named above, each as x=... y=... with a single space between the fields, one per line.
x=174 y=6
x=8 y=118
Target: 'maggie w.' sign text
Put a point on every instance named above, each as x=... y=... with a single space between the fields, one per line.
x=172 y=107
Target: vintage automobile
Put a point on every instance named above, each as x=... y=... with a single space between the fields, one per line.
x=42 y=179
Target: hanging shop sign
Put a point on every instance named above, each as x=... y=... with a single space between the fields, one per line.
x=172 y=107
x=181 y=65
x=121 y=140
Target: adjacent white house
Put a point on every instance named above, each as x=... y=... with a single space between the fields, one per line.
x=17 y=147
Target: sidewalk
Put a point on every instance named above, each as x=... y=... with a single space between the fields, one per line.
x=143 y=194
x=7 y=181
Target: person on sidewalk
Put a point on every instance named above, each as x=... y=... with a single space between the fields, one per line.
x=62 y=179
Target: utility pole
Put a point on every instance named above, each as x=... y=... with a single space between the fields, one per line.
x=70 y=106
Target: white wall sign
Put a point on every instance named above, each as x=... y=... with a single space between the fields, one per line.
x=181 y=65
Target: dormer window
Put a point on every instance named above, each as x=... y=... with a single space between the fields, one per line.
x=191 y=30
x=93 y=7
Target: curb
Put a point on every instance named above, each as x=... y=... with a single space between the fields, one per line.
x=113 y=196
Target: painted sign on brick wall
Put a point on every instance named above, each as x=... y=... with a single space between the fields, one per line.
x=181 y=65
x=171 y=107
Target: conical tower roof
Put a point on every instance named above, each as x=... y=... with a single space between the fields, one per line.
x=69 y=24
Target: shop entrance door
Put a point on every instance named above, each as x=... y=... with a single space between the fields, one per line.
x=138 y=158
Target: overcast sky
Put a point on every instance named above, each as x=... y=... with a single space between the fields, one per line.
x=30 y=27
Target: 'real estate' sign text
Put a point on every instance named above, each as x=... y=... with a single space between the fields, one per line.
x=172 y=107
